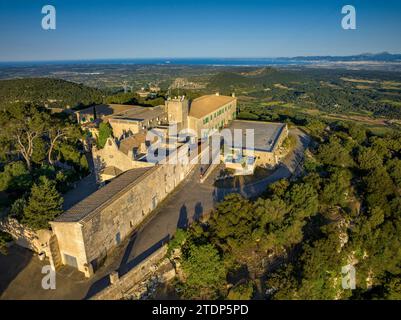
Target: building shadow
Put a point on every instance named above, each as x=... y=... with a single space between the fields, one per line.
x=127 y=266
x=128 y=250
x=12 y=264
x=143 y=256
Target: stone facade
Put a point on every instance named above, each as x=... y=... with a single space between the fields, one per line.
x=112 y=156
x=123 y=127
x=71 y=246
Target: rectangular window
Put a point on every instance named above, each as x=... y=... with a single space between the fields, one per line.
x=118 y=238
x=154 y=202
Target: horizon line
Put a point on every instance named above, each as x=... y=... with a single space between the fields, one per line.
x=187 y=58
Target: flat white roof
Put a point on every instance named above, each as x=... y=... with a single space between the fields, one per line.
x=265 y=134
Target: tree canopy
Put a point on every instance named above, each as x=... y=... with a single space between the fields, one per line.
x=293 y=242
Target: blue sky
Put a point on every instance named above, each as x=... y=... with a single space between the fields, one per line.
x=97 y=29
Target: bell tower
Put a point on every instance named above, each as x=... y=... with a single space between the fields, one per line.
x=177 y=111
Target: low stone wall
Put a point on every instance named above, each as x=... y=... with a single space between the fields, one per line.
x=208 y=171
x=37 y=241
x=133 y=284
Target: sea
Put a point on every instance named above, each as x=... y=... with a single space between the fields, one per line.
x=168 y=61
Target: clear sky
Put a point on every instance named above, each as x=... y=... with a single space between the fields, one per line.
x=102 y=29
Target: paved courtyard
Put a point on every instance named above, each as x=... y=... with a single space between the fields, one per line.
x=21 y=278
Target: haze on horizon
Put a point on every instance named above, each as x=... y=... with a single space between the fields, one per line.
x=123 y=29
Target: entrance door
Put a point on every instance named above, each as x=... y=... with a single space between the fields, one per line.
x=70 y=260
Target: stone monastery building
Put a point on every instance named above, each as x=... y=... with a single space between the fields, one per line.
x=86 y=233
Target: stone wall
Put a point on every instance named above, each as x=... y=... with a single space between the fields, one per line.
x=264 y=158
x=121 y=127
x=36 y=241
x=283 y=135
x=132 y=284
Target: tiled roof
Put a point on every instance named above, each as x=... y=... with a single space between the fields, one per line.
x=205 y=105
x=106 y=109
x=103 y=196
x=140 y=113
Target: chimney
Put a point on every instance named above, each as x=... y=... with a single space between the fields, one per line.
x=233 y=94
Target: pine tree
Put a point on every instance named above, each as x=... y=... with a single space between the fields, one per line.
x=44 y=205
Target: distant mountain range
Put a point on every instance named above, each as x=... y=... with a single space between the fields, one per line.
x=382 y=57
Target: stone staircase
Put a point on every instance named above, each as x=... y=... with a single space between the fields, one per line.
x=55 y=255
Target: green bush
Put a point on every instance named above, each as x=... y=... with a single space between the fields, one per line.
x=4 y=239
x=241 y=292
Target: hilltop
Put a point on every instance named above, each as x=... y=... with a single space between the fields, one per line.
x=49 y=92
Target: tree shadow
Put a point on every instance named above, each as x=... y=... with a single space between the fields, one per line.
x=182 y=222
x=198 y=211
